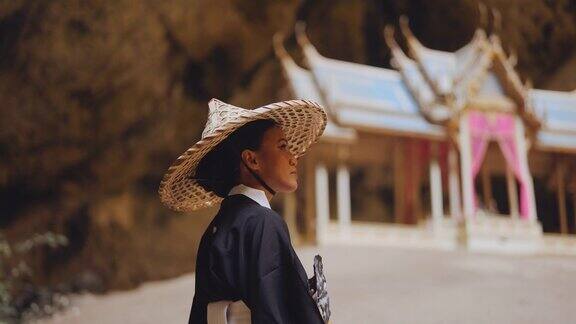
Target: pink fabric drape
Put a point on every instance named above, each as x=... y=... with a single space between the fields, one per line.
x=510 y=152
x=479 y=137
x=499 y=127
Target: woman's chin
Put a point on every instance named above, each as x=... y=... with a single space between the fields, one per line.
x=289 y=187
x=293 y=188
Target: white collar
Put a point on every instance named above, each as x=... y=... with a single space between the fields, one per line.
x=255 y=194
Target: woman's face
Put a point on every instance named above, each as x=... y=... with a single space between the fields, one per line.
x=276 y=164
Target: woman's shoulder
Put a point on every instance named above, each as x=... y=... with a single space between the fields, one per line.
x=249 y=214
x=265 y=217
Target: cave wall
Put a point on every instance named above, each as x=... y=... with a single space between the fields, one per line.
x=99 y=97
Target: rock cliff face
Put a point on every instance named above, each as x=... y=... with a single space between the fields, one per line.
x=98 y=97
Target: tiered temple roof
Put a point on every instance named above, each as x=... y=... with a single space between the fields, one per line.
x=558 y=111
x=428 y=90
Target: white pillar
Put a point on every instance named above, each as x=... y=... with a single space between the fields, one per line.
x=436 y=189
x=512 y=193
x=343 y=197
x=322 y=202
x=454 y=184
x=466 y=167
x=523 y=159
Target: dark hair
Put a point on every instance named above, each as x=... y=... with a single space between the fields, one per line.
x=219 y=170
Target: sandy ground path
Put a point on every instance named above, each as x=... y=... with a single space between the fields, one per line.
x=384 y=285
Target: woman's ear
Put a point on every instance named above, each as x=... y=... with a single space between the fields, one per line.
x=250 y=159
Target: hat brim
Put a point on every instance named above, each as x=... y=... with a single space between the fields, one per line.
x=303 y=122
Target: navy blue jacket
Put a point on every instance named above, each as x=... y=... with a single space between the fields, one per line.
x=246 y=254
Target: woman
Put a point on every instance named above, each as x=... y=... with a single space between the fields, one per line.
x=243 y=159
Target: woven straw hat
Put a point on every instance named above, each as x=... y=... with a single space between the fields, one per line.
x=302 y=121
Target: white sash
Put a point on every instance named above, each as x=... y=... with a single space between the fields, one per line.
x=228 y=312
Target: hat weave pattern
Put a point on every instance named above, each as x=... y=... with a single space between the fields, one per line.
x=302 y=121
